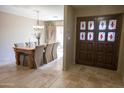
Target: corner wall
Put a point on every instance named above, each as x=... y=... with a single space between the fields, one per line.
x=69 y=28
x=121 y=52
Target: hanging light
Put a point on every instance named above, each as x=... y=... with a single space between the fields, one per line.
x=37 y=28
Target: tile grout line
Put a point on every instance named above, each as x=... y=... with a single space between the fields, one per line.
x=53 y=82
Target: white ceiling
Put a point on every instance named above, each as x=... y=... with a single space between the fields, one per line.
x=46 y=12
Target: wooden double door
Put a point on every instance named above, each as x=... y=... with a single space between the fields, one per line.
x=98 y=39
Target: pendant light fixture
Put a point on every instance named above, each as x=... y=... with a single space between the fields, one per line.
x=38 y=28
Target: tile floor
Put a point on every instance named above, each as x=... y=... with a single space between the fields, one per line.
x=52 y=76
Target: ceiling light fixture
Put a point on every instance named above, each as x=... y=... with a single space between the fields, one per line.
x=38 y=28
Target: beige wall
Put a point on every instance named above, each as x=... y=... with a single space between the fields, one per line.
x=13 y=29
x=121 y=53
x=80 y=11
x=97 y=10
x=68 y=37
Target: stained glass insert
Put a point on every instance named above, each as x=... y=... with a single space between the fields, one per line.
x=101 y=36
x=112 y=24
x=102 y=25
x=90 y=25
x=82 y=35
x=90 y=36
x=111 y=36
x=82 y=25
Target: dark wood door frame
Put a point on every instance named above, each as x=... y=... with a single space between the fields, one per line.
x=97 y=53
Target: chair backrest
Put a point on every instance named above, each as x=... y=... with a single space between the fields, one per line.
x=54 y=50
x=19 y=45
x=39 y=55
x=48 y=53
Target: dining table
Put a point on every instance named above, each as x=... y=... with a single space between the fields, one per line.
x=29 y=51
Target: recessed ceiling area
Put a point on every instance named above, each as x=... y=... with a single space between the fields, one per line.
x=46 y=12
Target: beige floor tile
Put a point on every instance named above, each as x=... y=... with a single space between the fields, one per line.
x=51 y=75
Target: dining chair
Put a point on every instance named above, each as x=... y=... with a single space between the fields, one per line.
x=28 y=44
x=39 y=55
x=54 y=50
x=22 y=55
x=48 y=53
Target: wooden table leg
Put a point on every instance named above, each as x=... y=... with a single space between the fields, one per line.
x=17 y=58
x=30 y=61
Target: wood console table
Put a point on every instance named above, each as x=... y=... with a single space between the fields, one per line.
x=29 y=52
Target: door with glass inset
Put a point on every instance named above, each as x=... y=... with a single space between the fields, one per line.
x=98 y=40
